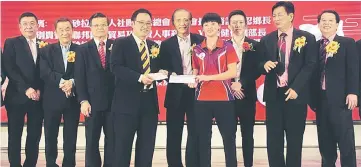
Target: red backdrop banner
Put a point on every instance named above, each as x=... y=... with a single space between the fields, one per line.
x=259 y=19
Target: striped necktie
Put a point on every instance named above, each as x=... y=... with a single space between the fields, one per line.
x=145 y=58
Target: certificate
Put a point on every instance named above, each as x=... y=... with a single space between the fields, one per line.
x=182 y=79
x=157 y=76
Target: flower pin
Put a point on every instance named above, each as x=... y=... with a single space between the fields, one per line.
x=70 y=56
x=154 y=51
x=300 y=42
x=332 y=48
x=247 y=47
x=42 y=44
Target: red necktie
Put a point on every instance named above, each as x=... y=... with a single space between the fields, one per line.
x=101 y=51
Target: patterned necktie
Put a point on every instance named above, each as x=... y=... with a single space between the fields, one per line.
x=144 y=57
x=101 y=51
x=33 y=49
x=323 y=58
x=282 y=53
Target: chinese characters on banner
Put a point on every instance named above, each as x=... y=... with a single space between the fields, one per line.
x=162 y=29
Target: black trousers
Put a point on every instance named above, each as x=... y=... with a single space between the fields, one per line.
x=144 y=123
x=285 y=118
x=224 y=113
x=245 y=113
x=335 y=127
x=16 y=114
x=175 y=123
x=93 y=128
x=52 y=119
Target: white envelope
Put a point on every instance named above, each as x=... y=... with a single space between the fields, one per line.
x=182 y=79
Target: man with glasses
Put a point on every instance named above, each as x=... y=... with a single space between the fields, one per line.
x=176 y=55
x=95 y=87
x=24 y=91
x=135 y=103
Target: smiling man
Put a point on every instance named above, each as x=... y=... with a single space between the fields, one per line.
x=175 y=55
x=335 y=87
x=288 y=62
x=57 y=71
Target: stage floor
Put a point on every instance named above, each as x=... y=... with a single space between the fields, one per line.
x=310 y=157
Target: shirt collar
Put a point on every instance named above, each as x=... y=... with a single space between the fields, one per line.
x=98 y=41
x=67 y=47
x=289 y=32
x=219 y=43
x=331 y=38
x=187 y=39
x=138 y=40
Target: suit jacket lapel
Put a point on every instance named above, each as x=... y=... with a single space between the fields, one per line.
x=59 y=56
x=27 y=49
x=94 y=53
x=108 y=51
x=273 y=46
x=178 y=55
x=295 y=35
x=134 y=48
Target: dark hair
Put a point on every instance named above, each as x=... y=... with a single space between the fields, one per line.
x=237 y=12
x=289 y=7
x=211 y=17
x=97 y=15
x=63 y=19
x=28 y=14
x=329 y=11
x=180 y=9
x=142 y=10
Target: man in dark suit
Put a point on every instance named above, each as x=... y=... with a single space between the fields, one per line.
x=94 y=87
x=335 y=82
x=358 y=44
x=57 y=71
x=244 y=86
x=175 y=56
x=23 y=94
x=288 y=62
x=135 y=103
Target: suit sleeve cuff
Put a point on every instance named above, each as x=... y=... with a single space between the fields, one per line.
x=140 y=78
x=61 y=81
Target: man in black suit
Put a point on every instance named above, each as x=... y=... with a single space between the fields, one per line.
x=288 y=62
x=57 y=71
x=94 y=87
x=175 y=56
x=335 y=82
x=244 y=86
x=135 y=102
x=23 y=94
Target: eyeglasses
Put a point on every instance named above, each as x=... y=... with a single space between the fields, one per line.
x=99 y=25
x=142 y=23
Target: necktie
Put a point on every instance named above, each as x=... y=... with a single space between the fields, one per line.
x=324 y=43
x=33 y=49
x=282 y=53
x=144 y=57
x=101 y=51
